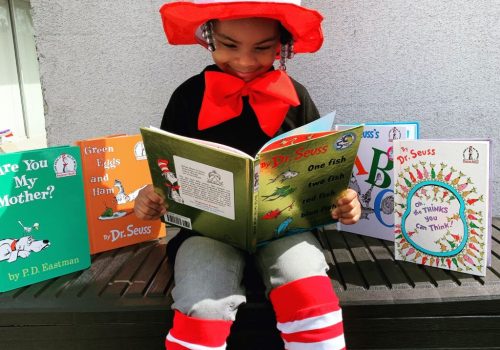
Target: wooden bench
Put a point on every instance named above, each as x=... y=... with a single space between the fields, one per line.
x=123 y=302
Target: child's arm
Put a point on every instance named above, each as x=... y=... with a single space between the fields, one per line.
x=149 y=205
x=348 y=209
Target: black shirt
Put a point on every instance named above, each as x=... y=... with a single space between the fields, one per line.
x=243 y=132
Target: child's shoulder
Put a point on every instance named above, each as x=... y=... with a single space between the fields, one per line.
x=298 y=86
x=194 y=84
x=301 y=90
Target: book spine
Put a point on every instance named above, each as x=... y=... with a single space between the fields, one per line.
x=253 y=192
x=86 y=192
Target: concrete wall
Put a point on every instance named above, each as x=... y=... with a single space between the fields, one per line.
x=106 y=67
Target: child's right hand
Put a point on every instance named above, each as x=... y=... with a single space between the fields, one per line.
x=149 y=205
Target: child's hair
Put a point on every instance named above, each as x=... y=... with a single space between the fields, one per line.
x=286 y=51
x=286 y=41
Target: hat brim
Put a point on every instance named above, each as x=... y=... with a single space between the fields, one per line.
x=182 y=19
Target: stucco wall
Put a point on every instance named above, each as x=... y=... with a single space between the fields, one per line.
x=106 y=67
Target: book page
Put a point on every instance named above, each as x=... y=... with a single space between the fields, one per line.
x=205 y=187
x=213 y=145
x=324 y=123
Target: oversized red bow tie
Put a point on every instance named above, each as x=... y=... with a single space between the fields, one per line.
x=270 y=96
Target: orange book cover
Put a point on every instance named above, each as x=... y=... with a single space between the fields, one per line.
x=115 y=169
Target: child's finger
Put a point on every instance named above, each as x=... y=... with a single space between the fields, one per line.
x=149 y=193
x=346 y=197
x=149 y=212
x=149 y=205
x=348 y=209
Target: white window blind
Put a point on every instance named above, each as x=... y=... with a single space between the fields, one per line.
x=21 y=102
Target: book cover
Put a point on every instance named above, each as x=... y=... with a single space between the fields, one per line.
x=373 y=175
x=289 y=187
x=442 y=204
x=43 y=231
x=115 y=169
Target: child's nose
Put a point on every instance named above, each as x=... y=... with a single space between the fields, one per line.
x=247 y=60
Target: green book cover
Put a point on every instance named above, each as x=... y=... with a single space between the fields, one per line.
x=289 y=187
x=43 y=227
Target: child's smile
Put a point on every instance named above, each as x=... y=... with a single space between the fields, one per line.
x=246 y=48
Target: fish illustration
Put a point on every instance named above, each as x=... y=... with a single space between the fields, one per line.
x=285 y=175
x=279 y=192
x=283 y=226
x=274 y=214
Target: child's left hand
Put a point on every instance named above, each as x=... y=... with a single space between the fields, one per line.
x=348 y=209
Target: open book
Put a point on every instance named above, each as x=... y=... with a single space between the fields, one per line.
x=290 y=185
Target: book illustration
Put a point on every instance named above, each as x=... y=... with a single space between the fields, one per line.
x=285 y=175
x=279 y=192
x=110 y=214
x=140 y=151
x=256 y=178
x=372 y=178
x=441 y=212
x=394 y=133
x=13 y=248
x=115 y=170
x=309 y=173
x=215 y=178
x=384 y=204
x=65 y=165
x=345 y=141
x=453 y=245
x=28 y=229
x=172 y=184
x=122 y=197
x=282 y=228
x=274 y=214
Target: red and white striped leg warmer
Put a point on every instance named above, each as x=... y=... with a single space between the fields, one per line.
x=308 y=314
x=190 y=333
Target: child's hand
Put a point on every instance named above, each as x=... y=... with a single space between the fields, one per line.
x=149 y=205
x=348 y=209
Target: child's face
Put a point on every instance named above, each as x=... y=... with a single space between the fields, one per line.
x=246 y=48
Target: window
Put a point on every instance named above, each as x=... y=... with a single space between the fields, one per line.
x=21 y=102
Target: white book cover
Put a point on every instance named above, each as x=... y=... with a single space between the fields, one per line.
x=442 y=204
x=372 y=178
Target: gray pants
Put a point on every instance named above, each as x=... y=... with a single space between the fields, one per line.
x=208 y=273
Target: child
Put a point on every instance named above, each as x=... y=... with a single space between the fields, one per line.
x=242 y=101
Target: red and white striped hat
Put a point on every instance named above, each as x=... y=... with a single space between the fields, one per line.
x=182 y=19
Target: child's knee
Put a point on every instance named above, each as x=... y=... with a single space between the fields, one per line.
x=208 y=277
x=210 y=309
x=290 y=259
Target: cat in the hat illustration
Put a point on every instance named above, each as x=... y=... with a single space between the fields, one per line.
x=172 y=183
